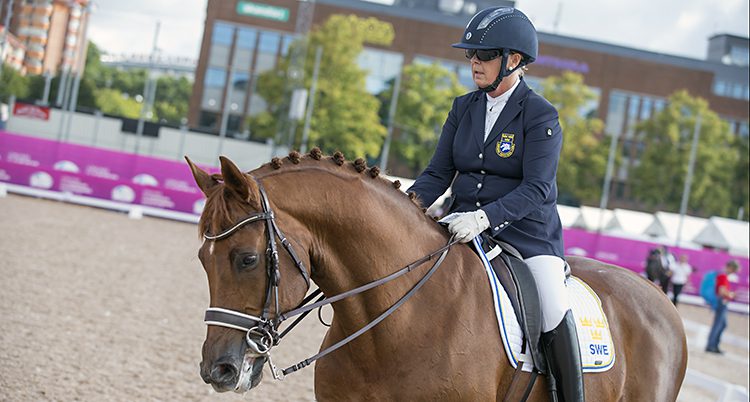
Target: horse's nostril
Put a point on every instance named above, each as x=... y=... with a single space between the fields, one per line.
x=223 y=374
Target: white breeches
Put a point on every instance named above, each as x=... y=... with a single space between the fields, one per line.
x=549 y=275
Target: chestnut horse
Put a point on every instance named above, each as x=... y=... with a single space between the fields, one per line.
x=342 y=226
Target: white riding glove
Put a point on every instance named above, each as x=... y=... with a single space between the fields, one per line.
x=467 y=225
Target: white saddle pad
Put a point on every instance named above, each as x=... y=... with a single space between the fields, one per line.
x=594 y=336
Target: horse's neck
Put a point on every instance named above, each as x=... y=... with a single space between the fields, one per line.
x=366 y=231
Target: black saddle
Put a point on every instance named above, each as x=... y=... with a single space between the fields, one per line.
x=518 y=282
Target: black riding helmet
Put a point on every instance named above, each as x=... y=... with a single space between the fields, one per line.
x=506 y=29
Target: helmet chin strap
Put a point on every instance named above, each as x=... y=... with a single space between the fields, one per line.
x=504 y=72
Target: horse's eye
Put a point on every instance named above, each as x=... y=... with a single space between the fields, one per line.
x=248 y=261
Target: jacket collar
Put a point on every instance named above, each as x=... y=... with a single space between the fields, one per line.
x=478 y=111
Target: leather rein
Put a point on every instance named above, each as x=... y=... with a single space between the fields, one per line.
x=261 y=333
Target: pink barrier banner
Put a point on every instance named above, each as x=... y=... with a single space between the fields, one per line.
x=168 y=184
x=631 y=254
x=99 y=173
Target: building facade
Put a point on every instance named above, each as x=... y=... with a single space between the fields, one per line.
x=242 y=39
x=51 y=32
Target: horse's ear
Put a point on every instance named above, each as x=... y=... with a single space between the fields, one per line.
x=235 y=180
x=202 y=179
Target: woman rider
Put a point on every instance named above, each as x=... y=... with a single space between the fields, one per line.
x=500 y=146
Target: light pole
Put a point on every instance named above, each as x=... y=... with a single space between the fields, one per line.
x=149 y=90
x=689 y=177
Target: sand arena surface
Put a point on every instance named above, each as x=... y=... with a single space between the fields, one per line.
x=96 y=306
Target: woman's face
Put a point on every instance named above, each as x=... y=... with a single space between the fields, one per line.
x=484 y=73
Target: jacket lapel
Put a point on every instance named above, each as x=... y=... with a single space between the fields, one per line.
x=510 y=111
x=478 y=112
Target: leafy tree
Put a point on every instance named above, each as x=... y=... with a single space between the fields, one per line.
x=345 y=116
x=12 y=83
x=659 y=179
x=116 y=103
x=172 y=95
x=425 y=98
x=741 y=186
x=583 y=159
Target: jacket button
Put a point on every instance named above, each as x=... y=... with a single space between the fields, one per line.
x=481 y=156
x=478 y=204
x=479 y=185
x=482 y=172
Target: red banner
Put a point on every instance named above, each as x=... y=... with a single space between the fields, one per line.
x=31 y=111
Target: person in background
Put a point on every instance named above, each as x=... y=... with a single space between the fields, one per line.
x=681 y=271
x=653 y=265
x=724 y=294
x=667 y=262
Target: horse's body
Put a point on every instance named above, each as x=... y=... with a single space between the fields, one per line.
x=443 y=343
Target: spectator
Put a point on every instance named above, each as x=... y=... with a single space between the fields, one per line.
x=680 y=274
x=667 y=262
x=724 y=295
x=653 y=265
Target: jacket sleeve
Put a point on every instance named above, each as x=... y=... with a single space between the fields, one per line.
x=438 y=175
x=543 y=142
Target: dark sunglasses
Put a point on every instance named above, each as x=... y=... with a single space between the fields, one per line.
x=482 y=54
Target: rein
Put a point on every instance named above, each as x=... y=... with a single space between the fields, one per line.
x=261 y=333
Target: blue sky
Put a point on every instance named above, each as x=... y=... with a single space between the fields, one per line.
x=678 y=27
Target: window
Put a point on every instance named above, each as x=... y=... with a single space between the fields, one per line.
x=616 y=112
x=646 y=107
x=209 y=120
x=743 y=130
x=215 y=77
x=222 y=34
x=246 y=38
x=285 y=43
x=719 y=87
x=269 y=42
x=382 y=67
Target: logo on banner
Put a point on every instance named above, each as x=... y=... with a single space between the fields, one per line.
x=123 y=193
x=31 y=111
x=505 y=147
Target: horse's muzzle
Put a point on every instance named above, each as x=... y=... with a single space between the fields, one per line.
x=222 y=374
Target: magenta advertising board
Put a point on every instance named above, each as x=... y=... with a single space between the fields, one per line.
x=631 y=254
x=168 y=184
x=99 y=173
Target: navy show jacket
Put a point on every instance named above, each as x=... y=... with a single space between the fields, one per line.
x=511 y=175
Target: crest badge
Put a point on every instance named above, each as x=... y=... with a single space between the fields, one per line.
x=468 y=35
x=505 y=147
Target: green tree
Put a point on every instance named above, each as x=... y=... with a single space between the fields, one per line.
x=659 y=178
x=172 y=95
x=741 y=186
x=346 y=115
x=426 y=95
x=114 y=102
x=583 y=159
x=12 y=83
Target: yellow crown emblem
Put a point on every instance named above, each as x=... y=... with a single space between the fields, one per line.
x=600 y=323
x=585 y=322
x=596 y=334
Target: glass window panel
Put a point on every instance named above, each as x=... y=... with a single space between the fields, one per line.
x=218 y=56
x=719 y=87
x=215 y=77
x=222 y=34
x=616 y=112
x=285 y=43
x=257 y=105
x=659 y=105
x=211 y=99
x=743 y=130
x=737 y=91
x=464 y=77
x=646 y=107
x=246 y=38
x=264 y=62
x=381 y=66
x=209 y=120
x=269 y=42
x=243 y=59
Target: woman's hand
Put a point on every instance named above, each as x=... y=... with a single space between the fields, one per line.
x=467 y=225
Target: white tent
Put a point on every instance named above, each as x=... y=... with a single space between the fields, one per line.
x=665 y=225
x=569 y=216
x=593 y=218
x=726 y=234
x=629 y=223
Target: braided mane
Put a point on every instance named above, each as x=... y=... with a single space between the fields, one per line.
x=222 y=205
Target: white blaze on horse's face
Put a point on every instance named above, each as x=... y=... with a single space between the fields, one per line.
x=210 y=246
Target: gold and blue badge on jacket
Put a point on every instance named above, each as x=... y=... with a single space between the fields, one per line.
x=505 y=147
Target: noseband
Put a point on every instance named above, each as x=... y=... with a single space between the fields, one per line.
x=261 y=333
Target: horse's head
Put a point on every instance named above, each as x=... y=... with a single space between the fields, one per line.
x=253 y=275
